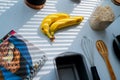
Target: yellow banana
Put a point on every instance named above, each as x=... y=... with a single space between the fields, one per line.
x=45 y=30
x=48 y=20
x=54 y=17
x=59 y=24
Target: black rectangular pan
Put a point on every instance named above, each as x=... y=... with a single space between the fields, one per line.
x=71 y=66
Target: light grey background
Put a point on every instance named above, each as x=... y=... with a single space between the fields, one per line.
x=14 y=14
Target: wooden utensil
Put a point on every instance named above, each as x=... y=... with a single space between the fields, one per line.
x=102 y=49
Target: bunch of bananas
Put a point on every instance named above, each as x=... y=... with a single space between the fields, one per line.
x=57 y=21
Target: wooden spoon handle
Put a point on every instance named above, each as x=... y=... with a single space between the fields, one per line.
x=112 y=75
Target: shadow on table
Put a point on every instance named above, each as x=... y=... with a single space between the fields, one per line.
x=66 y=6
x=50 y=76
x=64 y=39
x=14 y=15
x=28 y=21
x=47 y=72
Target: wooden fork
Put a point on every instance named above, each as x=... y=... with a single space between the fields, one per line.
x=102 y=49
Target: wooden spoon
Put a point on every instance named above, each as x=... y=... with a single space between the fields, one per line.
x=102 y=49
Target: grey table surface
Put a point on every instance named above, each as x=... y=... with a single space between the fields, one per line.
x=14 y=14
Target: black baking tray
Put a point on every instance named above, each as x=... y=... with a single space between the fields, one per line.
x=71 y=66
x=115 y=47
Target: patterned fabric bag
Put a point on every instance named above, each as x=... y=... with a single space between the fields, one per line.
x=19 y=59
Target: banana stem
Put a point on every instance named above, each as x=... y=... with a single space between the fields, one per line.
x=52 y=39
